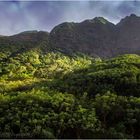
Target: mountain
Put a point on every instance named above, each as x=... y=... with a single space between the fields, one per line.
x=22 y=42
x=45 y=94
x=94 y=37
x=98 y=37
x=128 y=37
x=33 y=36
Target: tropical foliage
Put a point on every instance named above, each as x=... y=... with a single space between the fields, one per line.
x=51 y=95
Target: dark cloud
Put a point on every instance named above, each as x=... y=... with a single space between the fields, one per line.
x=17 y=16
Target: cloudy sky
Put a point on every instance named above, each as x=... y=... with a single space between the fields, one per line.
x=18 y=16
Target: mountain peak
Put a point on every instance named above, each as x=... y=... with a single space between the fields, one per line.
x=98 y=37
x=101 y=20
x=132 y=18
x=133 y=15
x=97 y=20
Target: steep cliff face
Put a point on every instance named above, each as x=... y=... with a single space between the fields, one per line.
x=128 y=37
x=98 y=37
x=90 y=37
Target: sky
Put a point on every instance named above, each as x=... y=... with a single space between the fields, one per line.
x=19 y=16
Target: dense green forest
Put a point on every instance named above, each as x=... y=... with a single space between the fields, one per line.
x=51 y=95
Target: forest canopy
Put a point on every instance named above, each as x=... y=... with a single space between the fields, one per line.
x=52 y=95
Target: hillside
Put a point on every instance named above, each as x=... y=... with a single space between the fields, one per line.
x=56 y=96
x=98 y=37
x=11 y=46
x=93 y=37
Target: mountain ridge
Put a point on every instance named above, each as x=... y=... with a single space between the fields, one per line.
x=94 y=37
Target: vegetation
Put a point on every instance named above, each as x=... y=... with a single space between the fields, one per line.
x=57 y=96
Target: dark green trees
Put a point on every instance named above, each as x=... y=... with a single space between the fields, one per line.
x=56 y=96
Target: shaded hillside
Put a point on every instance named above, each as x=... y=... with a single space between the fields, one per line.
x=13 y=45
x=94 y=37
x=98 y=37
x=128 y=38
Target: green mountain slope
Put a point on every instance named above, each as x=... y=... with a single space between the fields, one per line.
x=56 y=96
x=13 y=45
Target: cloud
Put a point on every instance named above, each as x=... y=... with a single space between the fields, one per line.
x=18 y=16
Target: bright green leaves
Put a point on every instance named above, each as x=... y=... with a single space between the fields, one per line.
x=56 y=96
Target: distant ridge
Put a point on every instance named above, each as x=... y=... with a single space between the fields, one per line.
x=95 y=37
x=98 y=37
